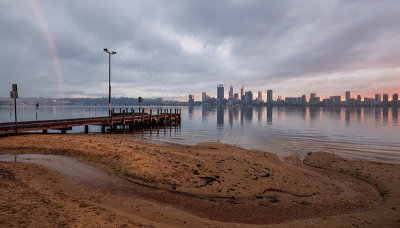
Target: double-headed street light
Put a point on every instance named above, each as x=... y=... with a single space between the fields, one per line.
x=109 y=78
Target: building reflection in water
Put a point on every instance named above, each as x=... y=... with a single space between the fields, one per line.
x=359 y=114
x=191 y=112
x=395 y=115
x=378 y=116
x=206 y=112
x=230 y=115
x=269 y=114
x=385 y=115
x=347 y=115
x=220 y=116
x=315 y=113
x=259 y=114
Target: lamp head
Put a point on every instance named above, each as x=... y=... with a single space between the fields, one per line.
x=105 y=49
x=114 y=53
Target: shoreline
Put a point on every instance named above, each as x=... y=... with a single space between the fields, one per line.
x=255 y=187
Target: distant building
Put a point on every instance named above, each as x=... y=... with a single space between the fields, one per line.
x=385 y=99
x=291 y=100
x=236 y=97
x=205 y=98
x=348 y=97
x=269 y=96
x=314 y=99
x=260 y=95
x=395 y=100
x=378 y=98
x=303 y=99
x=231 y=93
x=337 y=100
x=220 y=93
x=191 y=99
x=242 y=93
x=369 y=101
x=358 y=101
x=248 y=96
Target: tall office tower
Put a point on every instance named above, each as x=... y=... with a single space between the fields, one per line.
x=358 y=99
x=220 y=92
x=236 y=97
x=191 y=99
x=260 y=95
x=269 y=96
x=395 y=100
x=385 y=99
x=378 y=97
x=303 y=99
x=248 y=97
x=313 y=95
x=231 y=92
x=347 y=96
x=204 y=97
x=242 y=92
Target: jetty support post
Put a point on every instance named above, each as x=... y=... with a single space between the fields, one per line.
x=86 y=129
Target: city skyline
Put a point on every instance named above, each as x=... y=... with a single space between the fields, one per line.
x=344 y=95
x=55 y=49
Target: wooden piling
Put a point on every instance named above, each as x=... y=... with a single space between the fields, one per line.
x=86 y=129
x=143 y=116
x=133 y=119
x=45 y=131
x=63 y=131
x=103 y=128
x=123 y=120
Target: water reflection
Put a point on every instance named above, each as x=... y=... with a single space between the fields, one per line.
x=269 y=114
x=220 y=116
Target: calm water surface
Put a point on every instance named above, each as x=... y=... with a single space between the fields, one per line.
x=358 y=133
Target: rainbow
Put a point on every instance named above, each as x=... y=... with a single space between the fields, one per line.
x=49 y=38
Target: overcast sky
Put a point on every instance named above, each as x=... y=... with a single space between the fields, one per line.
x=170 y=49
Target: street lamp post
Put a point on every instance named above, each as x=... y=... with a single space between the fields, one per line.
x=109 y=78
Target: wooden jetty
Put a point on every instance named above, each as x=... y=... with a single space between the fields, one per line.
x=126 y=120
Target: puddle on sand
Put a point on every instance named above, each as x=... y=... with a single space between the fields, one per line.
x=71 y=167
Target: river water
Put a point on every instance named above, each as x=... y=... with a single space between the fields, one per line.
x=357 y=133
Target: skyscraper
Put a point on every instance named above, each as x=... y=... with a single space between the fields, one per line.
x=395 y=100
x=220 y=92
x=378 y=98
x=231 y=92
x=385 y=99
x=191 y=99
x=260 y=95
x=347 y=96
x=248 y=97
x=242 y=92
x=269 y=96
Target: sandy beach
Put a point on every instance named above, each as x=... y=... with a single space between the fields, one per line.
x=206 y=185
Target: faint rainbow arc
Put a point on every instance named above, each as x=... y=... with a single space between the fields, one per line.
x=50 y=42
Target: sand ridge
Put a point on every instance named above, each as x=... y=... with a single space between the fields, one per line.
x=214 y=176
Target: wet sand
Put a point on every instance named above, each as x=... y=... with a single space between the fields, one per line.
x=208 y=184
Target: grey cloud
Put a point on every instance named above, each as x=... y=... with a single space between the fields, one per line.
x=179 y=47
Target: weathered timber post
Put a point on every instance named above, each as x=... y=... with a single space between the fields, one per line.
x=123 y=120
x=64 y=131
x=158 y=119
x=151 y=117
x=143 y=116
x=103 y=128
x=86 y=129
x=112 y=118
x=133 y=119
x=45 y=131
